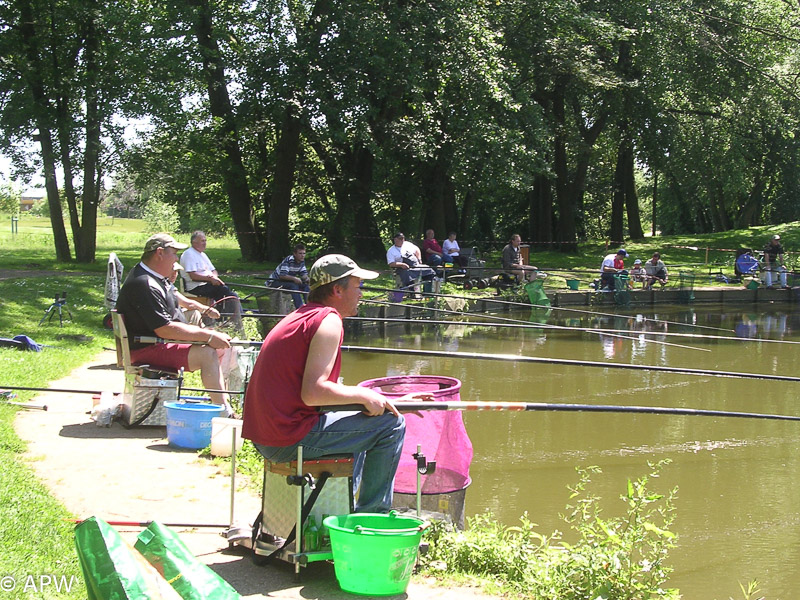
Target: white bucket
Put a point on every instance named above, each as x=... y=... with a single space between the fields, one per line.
x=222 y=430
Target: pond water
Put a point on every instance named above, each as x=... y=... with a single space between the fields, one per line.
x=738 y=516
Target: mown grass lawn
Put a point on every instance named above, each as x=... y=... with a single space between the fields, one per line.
x=35 y=536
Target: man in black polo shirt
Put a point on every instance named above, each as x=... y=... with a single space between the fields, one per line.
x=151 y=307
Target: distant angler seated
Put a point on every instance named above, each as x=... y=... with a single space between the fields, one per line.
x=406 y=260
x=201 y=278
x=292 y=274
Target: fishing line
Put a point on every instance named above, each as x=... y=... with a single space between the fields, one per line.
x=525 y=325
x=567 y=362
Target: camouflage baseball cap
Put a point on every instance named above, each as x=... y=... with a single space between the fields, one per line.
x=333 y=267
x=163 y=240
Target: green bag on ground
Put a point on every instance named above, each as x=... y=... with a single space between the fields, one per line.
x=188 y=576
x=112 y=569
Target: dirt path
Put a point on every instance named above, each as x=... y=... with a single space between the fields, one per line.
x=134 y=475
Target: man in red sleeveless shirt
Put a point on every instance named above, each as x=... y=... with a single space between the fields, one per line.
x=297 y=372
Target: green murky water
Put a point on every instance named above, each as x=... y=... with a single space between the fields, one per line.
x=738 y=508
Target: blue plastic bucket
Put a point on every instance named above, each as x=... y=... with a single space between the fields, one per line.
x=189 y=425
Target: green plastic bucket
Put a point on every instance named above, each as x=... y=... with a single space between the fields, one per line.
x=573 y=283
x=374 y=554
x=753 y=285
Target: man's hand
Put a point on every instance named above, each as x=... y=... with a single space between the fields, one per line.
x=209 y=311
x=374 y=407
x=218 y=340
x=214 y=280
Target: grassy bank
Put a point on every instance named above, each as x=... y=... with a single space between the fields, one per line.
x=35 y=537
x=32 y=248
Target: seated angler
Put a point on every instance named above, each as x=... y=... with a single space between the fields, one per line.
x=432 y=251
x=151 y=307
x=513 y=263
x=291 y=274
x=405 y=258
x=201 y=278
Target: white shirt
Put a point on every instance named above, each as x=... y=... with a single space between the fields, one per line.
x=451 y=248
x=193 y=261
x=407 y=250
x=608 y=261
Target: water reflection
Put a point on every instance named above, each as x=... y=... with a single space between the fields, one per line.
x=738 y=479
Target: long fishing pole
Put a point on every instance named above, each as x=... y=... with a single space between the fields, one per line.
x=516 y=358
x=413 y=406
x=523 y=325
x=563 y=309
x=567 y=362
x=505 y=319
x=148 y=523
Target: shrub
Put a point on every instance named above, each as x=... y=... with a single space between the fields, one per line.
x=160 y=216
x=619 y=557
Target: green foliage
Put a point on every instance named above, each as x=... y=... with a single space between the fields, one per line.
x=618 y=557
x=160 y=216
x=9 y=200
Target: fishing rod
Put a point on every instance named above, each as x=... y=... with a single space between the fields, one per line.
x=523 y=325
x=505 y=319
x=518 y=358
x=468 y=406
x=143 y=340
x=146 y=524
x=567 y=362
x=528 y=305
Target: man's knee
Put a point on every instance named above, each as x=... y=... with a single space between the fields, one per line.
x=203 y=357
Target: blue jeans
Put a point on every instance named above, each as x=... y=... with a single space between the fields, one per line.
x=408 y=276
x=291 y=285
x=374 y=442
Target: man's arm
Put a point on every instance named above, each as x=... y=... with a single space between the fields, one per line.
x=183 y=332
x=317 y=390
x=213 y=279
x=190 y=304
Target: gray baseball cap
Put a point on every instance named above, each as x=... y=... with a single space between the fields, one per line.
x=333 y=267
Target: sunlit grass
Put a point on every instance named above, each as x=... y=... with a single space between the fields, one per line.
x=36 y=537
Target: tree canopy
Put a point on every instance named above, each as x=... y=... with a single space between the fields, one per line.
x=335 y=123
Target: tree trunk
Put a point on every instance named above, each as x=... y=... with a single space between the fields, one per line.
x=366 y=243
x=36 y=77
x=540 y=211
x=233 y=172
x=86 y=235
x=616 y=233
x=283 y=182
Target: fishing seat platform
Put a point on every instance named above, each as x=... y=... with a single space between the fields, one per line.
x=287 y=496
x=147 y=387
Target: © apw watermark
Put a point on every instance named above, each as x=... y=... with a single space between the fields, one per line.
x=36 y=584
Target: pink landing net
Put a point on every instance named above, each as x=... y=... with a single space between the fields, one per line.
x=440 y=433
